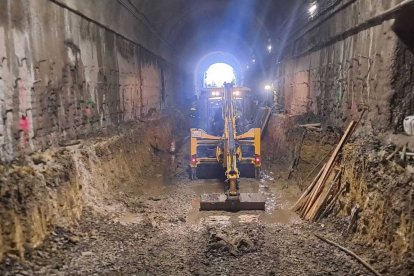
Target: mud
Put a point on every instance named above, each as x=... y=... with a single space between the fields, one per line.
x=378 y=191
x=382 y=191
x=35 y=194
x=48 y=189
x=155 y=236
x=140 y=216
x=148 y=223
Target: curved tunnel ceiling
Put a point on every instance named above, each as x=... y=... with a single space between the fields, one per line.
x=196 y=27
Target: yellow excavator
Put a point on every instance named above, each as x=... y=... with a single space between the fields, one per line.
x=235 y=154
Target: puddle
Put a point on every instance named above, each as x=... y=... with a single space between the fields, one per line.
x=248 y=218
x=214 y=220
x=279 y=201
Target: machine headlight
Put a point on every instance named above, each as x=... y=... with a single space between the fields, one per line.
x=236 y=93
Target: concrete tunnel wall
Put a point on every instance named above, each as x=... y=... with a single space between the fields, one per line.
x=64 y=74
x=345 y=61
x=348 y=59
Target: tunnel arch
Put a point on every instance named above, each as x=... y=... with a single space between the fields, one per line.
x=212 y=58
x=180 y=25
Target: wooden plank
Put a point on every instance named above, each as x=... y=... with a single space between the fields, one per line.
x=397 y=149
x=329 y=167
x=332 y=203
x=322 y=201
x=320 y=162
x=299 y=203
x=311 y=125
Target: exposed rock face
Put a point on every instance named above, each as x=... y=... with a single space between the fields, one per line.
x=383 y=191
x=36 y=197
x=49 y=189
x=66 y=76
x=378 y=190
x=344 y=62
x=338 y=65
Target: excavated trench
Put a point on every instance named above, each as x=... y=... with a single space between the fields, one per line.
x=122 y=204
x=119 y=201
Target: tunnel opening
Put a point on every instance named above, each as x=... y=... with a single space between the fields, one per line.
x=215 y=68
x=218 y=74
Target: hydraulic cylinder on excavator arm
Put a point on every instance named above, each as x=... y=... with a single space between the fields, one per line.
x=232 y=172
x=233 y=200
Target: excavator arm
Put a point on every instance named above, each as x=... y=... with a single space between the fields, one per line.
x=230 y=155
x=232 y=172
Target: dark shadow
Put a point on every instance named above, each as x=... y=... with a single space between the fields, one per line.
x=404 y=27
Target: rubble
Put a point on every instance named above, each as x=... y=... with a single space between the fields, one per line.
x=142 y=217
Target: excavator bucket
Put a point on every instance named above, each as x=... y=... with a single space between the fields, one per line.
x=220 y=202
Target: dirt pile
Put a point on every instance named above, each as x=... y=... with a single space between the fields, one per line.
x=376 y=207
x=49 y=189
x=295 y=150
x=236 y=243
x=35 y=194
x=276 y=142
x=284 y=133
x=381 y=192
x=152 y=226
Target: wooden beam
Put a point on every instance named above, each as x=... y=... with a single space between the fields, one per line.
x=328 y=168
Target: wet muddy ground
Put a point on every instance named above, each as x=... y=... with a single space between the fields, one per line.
x=155 y=228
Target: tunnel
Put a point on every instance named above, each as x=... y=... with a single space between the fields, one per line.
x=206 y=137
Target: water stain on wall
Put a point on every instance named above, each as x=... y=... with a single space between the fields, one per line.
x=69 y=79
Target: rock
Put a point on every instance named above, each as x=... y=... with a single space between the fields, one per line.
x=154 y=198
x=39 y=158
x=87 y=254
x=410 y=169
x=74 y=239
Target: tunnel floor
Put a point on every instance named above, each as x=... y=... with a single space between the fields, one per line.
x=96 y=95
x=155 y=228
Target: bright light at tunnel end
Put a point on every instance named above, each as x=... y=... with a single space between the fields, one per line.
x=218 y=74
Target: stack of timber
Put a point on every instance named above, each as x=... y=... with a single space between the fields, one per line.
x=321 y=195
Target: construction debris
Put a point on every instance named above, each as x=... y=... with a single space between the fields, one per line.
x=397 y=149
x=367 y=265
x=314 y=127
x=403 y=153
x=316 y=198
